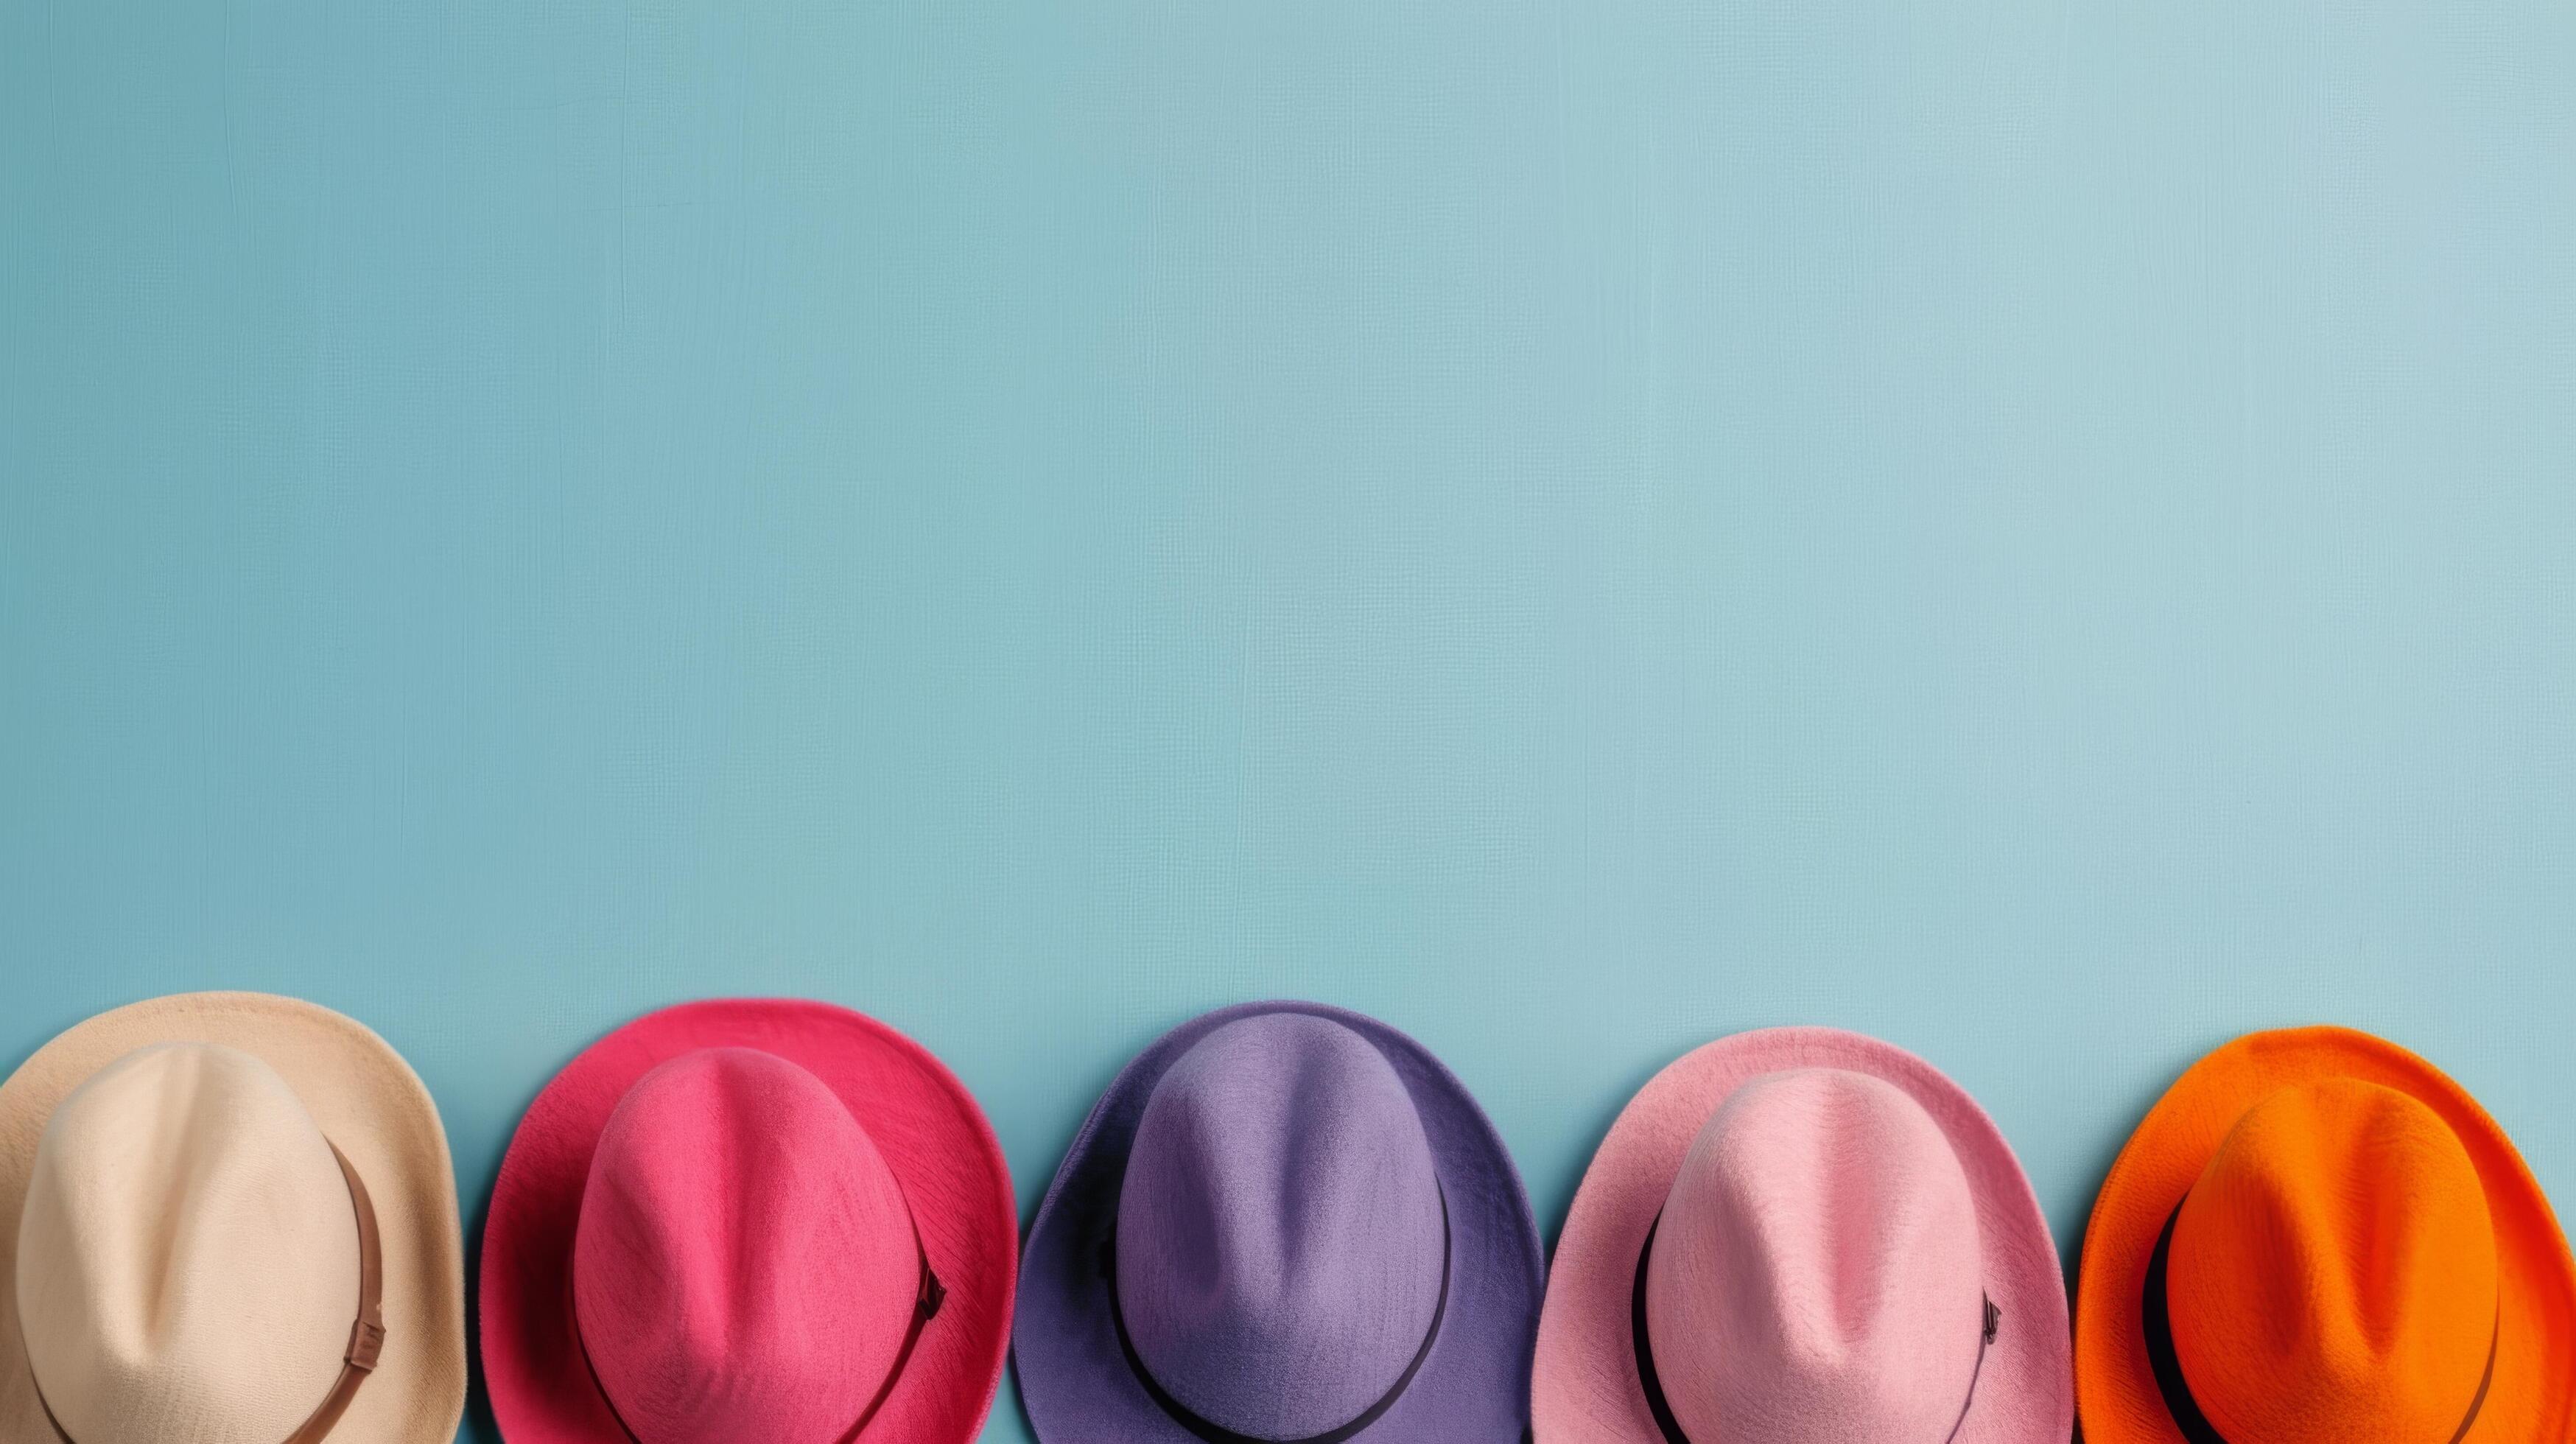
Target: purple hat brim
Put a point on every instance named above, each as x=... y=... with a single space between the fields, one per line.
x=1473 y=1387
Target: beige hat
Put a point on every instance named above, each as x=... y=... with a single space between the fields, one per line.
x=226 y=1218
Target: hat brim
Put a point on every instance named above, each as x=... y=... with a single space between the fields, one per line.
x=928 y=1128
x=1587 y=1389
x=371 y=1106
x=1473 y=1386
x=2532 y=1395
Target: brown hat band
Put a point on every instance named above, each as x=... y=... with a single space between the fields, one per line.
x=366 y=1336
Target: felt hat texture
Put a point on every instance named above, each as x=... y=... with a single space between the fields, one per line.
x=749 y=1219
x=194 y=1191
x=1283 y=1222
x=1800 y=1234
x=2315 y=1235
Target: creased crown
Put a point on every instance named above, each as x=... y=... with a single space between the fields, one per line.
x=2333 y=1272
x=188 y=1255
x=1280 y=1237
x=745 y=1266
x=1816 y=1273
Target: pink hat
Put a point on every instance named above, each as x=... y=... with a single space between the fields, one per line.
x=744 y=1219
x=1800 y=1234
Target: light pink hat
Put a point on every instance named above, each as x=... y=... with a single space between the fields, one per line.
x=1800 y=1234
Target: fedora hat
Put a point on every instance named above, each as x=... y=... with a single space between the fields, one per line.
x=229 y=1218
x=1800 y=1234
x=1283 y=1222
x=749 y=1219
x=2314 y=1236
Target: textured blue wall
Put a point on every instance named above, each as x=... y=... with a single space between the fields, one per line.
x=2046 y=532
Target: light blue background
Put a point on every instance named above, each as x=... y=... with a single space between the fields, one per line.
x=2046 y=532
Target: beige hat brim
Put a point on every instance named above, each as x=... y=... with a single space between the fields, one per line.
x=368 y=1102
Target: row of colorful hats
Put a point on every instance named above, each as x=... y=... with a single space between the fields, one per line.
x=235 y=1220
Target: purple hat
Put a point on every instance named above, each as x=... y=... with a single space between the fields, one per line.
x=1283 y=1223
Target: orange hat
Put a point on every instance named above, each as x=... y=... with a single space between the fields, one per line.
x=2315 y=1237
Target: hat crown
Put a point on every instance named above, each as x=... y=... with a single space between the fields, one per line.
x=1281 y=1241
x=187 y=1255
x=1816 y=1273
x=745 y=1265
x=2333 y=1272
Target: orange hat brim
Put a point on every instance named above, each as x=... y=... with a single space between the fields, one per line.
x=2534 y=1392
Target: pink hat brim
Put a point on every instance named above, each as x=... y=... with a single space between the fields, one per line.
x=923 y=1121
x=1585 y=1388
